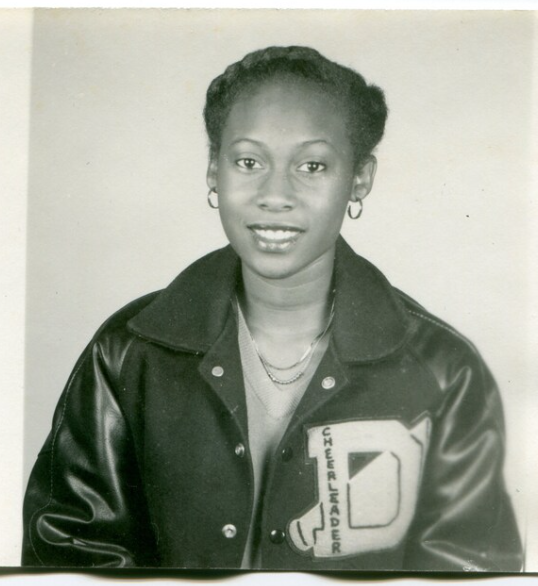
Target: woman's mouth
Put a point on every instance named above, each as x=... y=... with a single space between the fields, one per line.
x=275 y=238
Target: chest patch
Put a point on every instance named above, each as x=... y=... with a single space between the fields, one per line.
x=368 y=477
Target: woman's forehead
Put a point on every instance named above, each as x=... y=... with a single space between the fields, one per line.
x=283 y=108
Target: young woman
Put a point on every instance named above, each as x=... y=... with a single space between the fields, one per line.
x=279 y=405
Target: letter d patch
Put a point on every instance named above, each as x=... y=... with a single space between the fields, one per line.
x=368 y=476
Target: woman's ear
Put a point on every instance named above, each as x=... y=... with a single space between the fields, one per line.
x=364 y=179
x=211 y=175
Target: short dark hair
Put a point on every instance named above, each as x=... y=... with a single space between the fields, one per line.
x=365 y=103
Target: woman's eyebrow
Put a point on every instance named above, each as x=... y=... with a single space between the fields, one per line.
x=316 y=141
x=302 y=144
x=251 y=140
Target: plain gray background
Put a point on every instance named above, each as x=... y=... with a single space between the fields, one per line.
x=117 y=194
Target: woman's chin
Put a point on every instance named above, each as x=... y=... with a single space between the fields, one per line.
x=273 y=270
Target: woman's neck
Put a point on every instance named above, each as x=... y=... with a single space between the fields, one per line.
x=295 y=307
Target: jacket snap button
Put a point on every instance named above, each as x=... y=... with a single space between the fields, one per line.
x=240 y=450
x=277 y=536
x=217 y=371
x=287 y=454
x=328 y=382
x=229 y=531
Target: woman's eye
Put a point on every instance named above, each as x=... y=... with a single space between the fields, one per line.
x=312 y=167
x=248 y=163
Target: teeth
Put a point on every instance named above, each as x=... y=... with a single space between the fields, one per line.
x=275 y=235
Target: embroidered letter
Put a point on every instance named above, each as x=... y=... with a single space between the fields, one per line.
x=368 y=482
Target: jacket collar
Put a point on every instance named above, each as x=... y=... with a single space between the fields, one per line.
x=370 y=322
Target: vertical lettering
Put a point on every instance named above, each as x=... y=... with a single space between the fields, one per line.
x=333 y=490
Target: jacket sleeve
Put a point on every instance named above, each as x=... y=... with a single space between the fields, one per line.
x=465 y=521
x=84 y=504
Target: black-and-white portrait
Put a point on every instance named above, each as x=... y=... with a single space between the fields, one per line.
x=278 y=291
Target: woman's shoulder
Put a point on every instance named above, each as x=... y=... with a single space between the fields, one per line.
x=181 y=305
x=113 y=338
x=444 y=350
x=424 y=321
x=390 y=309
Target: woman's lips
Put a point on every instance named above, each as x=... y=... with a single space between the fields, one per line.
x=275 y=238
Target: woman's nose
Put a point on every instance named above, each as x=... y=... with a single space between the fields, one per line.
x=276 y=192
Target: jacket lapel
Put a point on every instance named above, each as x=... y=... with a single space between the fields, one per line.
x=191 y=313
x=224 y=359
x=370 y=321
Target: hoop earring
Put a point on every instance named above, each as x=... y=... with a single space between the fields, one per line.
x=211 y=203
x=350 y=211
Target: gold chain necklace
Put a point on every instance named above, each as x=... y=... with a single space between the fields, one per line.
x=307 y=355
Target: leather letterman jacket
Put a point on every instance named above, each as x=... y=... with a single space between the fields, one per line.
x=392 y=460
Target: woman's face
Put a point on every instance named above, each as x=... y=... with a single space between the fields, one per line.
x=284 y=175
